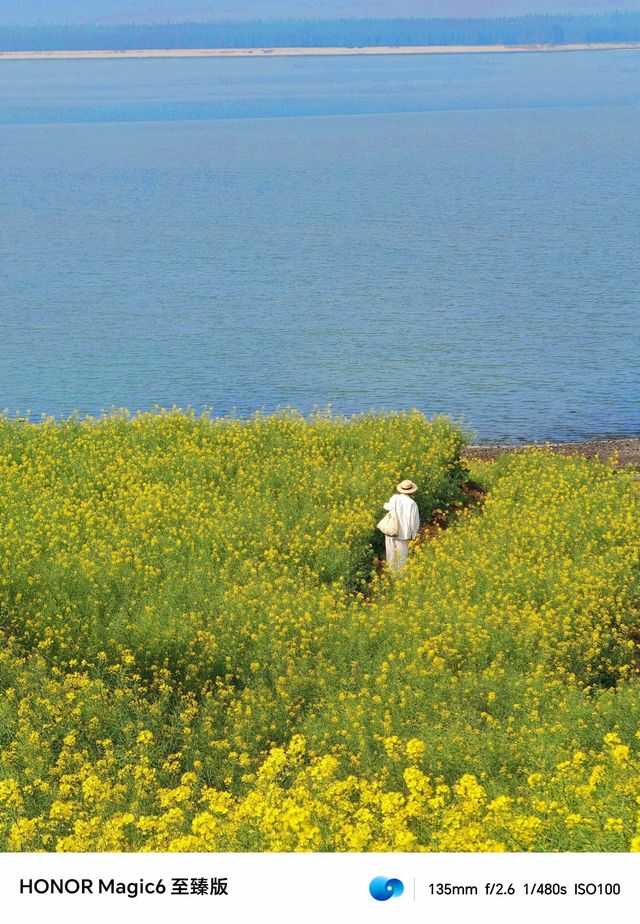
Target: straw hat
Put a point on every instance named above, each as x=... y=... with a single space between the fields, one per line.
x=406 y=487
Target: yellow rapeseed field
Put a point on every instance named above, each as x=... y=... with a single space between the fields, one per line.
x=199 y=654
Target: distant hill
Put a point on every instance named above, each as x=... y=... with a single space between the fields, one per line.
x=521 y=30
x=109 y=12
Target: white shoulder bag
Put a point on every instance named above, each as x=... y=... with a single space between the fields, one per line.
x=389 y=523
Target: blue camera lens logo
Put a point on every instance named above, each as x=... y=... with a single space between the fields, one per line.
x=382 y=888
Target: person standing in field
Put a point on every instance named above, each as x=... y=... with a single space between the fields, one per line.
x=408 y=517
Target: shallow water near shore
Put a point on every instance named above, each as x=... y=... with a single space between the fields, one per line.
x=458 y=235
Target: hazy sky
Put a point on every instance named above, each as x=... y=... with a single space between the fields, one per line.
x=49 y=11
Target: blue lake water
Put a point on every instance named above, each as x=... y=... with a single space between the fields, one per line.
x=458 y=234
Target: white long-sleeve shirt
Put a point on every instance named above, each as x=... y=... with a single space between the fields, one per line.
x=407 y=513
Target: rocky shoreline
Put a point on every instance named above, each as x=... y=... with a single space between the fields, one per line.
x=628 y=449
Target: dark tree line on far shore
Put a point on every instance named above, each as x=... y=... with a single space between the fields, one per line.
x=522 y=30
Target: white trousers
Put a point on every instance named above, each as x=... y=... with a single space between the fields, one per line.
x=397 y=552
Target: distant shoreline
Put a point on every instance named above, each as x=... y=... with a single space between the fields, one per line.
x=312 y=52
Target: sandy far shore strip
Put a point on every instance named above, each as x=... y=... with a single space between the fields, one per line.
x=299 y=52
x=626 y=448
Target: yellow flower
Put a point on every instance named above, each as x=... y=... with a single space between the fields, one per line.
x=415 y=749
